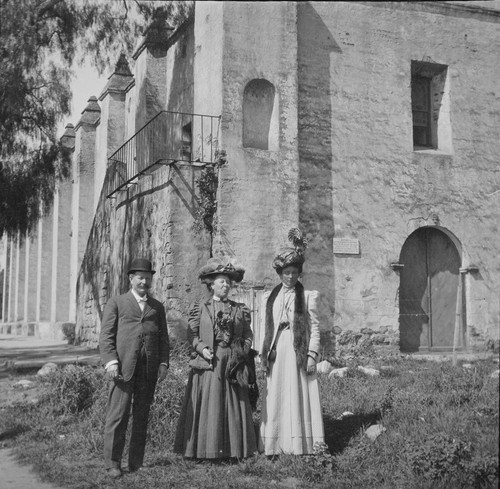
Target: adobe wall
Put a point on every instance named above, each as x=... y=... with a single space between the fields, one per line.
x=355 y=122
x=258 y=199
x=154 y=218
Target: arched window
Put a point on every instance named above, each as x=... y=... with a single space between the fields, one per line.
x=259 y=113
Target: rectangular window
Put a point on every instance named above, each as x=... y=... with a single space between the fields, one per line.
x=420 y=106
x=430 y=106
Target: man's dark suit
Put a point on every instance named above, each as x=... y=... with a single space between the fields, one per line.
x=138 y=340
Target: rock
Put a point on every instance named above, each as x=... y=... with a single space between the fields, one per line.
x=345 y=414
x=387 y=370
x=372 y=372
x=467 y=365
x=379 y=339
x=495 y=374
x=338 y=372
x=291 y=483
x=324 y=367
x=25 y=384
x=47 y=369
x=374 y=431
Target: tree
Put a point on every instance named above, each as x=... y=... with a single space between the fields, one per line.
x=40 y=43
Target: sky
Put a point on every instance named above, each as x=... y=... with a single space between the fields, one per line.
x=86 y=83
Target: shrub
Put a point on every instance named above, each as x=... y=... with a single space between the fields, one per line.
x=72 y=389
x=167 y=404
x=442 y=457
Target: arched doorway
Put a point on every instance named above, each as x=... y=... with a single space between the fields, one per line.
x=428 y=291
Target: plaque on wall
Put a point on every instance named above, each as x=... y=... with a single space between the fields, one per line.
x=346 y=246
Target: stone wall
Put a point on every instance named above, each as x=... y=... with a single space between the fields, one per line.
x=356 y=122
x=155 y=217
x=341 y=165
x=258 y=198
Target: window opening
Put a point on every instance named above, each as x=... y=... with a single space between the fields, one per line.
x=187 y=139
x=430 y=106
x=258 y=112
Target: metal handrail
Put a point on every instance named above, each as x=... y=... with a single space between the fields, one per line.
x=167 y=138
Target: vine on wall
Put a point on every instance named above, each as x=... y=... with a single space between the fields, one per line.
x=208 y=184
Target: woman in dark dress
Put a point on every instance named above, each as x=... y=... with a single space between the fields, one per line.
x=216 y=417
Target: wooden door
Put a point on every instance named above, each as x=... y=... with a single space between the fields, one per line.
x=253 y=298
x=428 y=291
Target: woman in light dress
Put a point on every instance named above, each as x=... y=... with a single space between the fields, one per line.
x=216 y=416
x=291 y=419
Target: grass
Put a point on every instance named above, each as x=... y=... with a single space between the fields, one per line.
x=441 y=432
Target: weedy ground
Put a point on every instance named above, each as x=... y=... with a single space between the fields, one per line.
x=441 y=421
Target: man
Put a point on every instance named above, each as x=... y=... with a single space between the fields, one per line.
x=134 y=347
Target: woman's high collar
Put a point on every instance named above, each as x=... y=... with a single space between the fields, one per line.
x=218 y=299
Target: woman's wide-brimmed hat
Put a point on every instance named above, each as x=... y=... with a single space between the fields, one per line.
x=141 y=265
x=215 y=266
x=292 y=255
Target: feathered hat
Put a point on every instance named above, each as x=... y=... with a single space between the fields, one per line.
x=292 y=255
x=215 y=266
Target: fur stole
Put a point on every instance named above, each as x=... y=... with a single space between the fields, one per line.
x=300 y=326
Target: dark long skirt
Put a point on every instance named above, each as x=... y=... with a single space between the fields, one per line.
x=216 y=417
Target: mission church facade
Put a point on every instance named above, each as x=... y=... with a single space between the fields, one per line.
x=372 y=126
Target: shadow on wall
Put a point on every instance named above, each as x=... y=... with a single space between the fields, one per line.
x=315 y=45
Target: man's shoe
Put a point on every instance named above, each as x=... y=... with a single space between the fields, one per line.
x=135 y=469
x=115 y=472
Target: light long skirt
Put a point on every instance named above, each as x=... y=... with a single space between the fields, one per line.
x=291 y=419
x=216 y=416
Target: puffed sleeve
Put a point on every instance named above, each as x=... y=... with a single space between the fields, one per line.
x=194 y=328
x=263 y=307
x=312 y=299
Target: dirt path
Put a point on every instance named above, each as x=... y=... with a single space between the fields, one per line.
x=12 y=474
x=16 y=476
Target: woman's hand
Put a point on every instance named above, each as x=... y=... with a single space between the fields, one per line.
x=311 y=366
x=207 y=354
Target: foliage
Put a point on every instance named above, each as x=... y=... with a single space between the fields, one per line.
x=72 y=389
x=441 y=421
x=441 y=456
x=40 y=43
x=207 y=184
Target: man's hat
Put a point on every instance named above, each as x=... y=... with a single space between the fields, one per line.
x=141 y=265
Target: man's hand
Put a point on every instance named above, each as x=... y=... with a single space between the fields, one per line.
x=162 y=372
x=112 y=371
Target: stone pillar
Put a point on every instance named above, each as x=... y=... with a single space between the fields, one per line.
x=83 y=192
x=26 y=275
x=11 y=298
x=5 y=282
x=111 y=130
x=45 y=282
x=21 y=279
x=61 y=240
x=151 y=64
x=38 y=295
x=32 y=278
x=17 y=245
